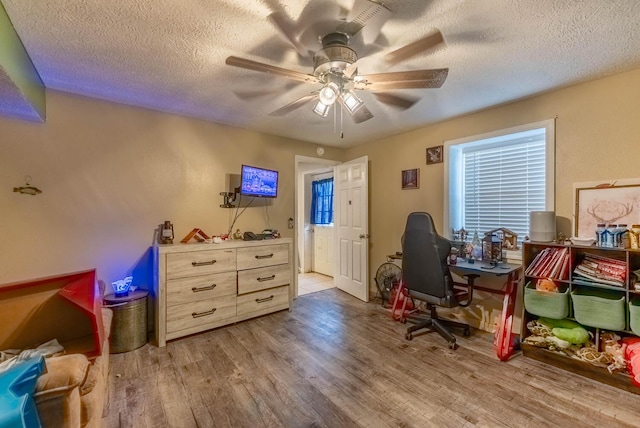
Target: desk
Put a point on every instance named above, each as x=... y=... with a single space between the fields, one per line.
x=503 y=339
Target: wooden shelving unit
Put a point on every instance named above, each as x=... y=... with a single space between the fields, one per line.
x=631 y=259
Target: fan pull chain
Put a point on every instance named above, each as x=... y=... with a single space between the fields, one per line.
x=341 y=122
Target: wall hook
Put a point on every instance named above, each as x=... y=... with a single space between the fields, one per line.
x=27 y=189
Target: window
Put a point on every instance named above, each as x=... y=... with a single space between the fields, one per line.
x=495 y=180
x=322 y=201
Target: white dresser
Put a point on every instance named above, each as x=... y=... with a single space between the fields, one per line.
x=203 y=286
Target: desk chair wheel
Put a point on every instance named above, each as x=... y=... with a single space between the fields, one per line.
x=452 y=344
x=466 y=332
x=408 y=336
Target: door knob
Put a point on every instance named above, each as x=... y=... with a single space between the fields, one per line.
x=363 y=236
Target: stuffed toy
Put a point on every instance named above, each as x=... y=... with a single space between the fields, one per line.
x=567 y=330
x=546 y=285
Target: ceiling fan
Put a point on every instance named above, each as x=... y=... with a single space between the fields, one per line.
x=335 y=64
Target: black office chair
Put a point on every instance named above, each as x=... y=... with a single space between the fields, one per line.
x=427 y=277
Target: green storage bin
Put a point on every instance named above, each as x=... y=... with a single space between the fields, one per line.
x=634 y=315
x=546 y=303
x=599 y=308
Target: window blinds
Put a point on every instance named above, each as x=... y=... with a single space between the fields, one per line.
x=502 y=182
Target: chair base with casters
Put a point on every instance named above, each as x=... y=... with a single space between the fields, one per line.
x=463 y=293
x=439 y=325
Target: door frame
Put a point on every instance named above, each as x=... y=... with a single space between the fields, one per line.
x=300 y=170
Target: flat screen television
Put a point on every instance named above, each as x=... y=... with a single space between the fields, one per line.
x=258 y=182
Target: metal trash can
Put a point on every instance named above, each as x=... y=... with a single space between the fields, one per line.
x=129 y=325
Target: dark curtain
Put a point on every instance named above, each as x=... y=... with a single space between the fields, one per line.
x=322 y=201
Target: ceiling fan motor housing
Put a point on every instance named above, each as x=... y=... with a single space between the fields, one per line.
x=334 y=57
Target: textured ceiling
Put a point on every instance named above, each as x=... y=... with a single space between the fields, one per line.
x=170 y=55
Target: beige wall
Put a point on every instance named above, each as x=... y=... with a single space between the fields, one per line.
x=597 y=139
x=111 y=173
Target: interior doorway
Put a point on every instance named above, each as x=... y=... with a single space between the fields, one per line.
x=314 y=244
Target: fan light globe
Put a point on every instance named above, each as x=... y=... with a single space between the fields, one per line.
x=321 y=109
x=351 y=101
x=329 y=93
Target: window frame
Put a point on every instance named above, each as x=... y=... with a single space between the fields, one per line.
x=548 y=125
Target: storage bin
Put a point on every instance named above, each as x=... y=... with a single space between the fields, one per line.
x=634 y=315
x=599 y=308
x=546 y=303
x=129 y=325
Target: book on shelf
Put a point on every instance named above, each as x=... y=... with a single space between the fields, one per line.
x=554 y=271
x=595 y=279
x=564 y=270
x=602 y=269
x=544 y=263
x=535 y=262
x=591 y=282
x=552 y=262
x=553 y=258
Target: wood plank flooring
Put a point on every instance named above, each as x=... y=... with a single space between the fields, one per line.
x=334 y=361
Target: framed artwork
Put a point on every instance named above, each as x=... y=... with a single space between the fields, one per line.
x=610 y=204
x=411 y=179
x=434 y=154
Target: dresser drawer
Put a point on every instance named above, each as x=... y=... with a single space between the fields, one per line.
x=191 y=289
x=263 y=302
x=263 y=255
x=204 y=262
x=202 y=313
x=259 y=279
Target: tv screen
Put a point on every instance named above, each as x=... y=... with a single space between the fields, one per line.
x=259 y=182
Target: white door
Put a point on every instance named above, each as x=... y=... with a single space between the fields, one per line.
x=352 y=229
x=323 y=249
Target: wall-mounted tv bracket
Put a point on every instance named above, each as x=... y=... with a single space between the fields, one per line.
x=228 y=198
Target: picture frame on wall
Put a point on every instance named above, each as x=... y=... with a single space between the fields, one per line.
x=411 y=178
x=434 y=155
x=612 y=204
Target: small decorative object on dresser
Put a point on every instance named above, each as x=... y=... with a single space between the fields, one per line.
x=166 y=233
x=197 y=234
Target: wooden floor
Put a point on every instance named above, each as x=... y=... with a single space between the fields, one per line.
x=337 y=362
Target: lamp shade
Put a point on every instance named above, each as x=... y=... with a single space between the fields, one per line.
x=329 y=93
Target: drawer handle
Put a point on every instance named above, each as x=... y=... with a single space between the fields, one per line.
x=266 y=278
x=211 y=287
x=266 y=299
x=203 y=314
x=195 y=264
x=267 y=256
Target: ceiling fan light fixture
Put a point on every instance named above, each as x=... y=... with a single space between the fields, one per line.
x=321 y=109
x=329 y=93
x=351 y=102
